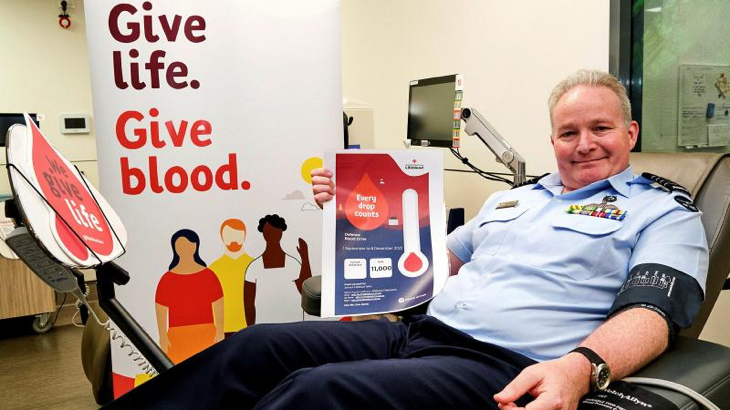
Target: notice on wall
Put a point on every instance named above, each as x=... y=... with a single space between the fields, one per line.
x=704 y=106
x=209 y=118
x=384 y=239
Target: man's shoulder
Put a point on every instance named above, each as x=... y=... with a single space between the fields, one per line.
x=663 y=192
x=661 y=183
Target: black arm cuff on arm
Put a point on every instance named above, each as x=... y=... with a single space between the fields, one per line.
x=658 y=287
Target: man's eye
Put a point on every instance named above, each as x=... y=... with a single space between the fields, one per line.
x=603 y=128
x=567 y=134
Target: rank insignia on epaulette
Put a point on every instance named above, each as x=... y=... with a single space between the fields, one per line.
x=687 y=203
x=602 y=210
x=670 y=185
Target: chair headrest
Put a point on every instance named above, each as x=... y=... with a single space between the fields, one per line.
x=687 y=169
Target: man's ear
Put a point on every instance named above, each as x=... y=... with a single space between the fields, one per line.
x=633 y=134
x=552 y=140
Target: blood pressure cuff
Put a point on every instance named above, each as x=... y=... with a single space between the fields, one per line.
x=672 y=293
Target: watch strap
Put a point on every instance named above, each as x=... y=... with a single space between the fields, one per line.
x=592 y=356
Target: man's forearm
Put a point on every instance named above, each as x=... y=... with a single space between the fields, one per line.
x=626 y=342
x=629 y=340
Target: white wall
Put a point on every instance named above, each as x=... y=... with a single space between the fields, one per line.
x=511 y=55
x=44 y=69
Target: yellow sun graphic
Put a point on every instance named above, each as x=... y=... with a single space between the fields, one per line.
x=308 y=165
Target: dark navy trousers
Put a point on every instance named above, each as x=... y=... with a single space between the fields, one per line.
x=419 y=364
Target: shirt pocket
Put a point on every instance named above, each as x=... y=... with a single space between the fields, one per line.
x=492 y=229
x=577 y=244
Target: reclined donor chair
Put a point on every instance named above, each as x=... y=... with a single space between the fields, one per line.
x=699 y=365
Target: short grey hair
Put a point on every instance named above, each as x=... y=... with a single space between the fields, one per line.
x=591 y=78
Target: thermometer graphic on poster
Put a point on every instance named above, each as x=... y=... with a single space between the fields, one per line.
x=413 y=263
x=384 y=235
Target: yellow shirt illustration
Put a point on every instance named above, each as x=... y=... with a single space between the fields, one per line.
x=230 y=273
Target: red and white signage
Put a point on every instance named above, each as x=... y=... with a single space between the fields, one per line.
x=209 y=117
x=63 y=209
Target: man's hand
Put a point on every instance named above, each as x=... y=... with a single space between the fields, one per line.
x=323 y=187
x=555 y=384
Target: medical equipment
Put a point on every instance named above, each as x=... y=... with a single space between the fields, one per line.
x=477 y=125
x=434 y=106
x=32 y=242
x=434 y=120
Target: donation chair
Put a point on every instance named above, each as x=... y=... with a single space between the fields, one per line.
x=699 y=365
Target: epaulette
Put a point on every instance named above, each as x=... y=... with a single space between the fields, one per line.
x=531 y=181
x=671 y=186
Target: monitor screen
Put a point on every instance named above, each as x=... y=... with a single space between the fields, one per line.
x=434 y=111
x=7 y=120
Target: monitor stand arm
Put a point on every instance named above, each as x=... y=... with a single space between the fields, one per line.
x=477 y=125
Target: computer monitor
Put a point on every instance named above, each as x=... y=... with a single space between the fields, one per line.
x=434 y=111
x=7 y=120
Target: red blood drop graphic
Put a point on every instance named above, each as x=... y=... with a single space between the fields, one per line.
x=366 y=207
x=412 y=263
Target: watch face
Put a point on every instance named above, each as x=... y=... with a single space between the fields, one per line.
x=602 y=376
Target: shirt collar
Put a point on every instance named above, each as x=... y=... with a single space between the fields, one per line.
x=619 y=182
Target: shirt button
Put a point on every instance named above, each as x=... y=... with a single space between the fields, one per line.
x=461 y=305
x=560 y=201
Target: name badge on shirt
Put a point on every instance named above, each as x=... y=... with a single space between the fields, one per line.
x=602 y=210
x=508 y=204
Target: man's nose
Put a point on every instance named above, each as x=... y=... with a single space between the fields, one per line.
x=585 y=142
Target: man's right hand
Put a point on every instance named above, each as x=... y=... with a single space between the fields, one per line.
x=323 y=187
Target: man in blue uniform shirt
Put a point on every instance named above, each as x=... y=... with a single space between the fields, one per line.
x=591 y=257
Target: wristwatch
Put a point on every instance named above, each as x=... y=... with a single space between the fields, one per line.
x=600 y=372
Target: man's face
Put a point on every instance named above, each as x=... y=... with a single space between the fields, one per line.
x=590 y=138
x=233 y=238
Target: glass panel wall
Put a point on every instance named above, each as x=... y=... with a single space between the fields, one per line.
x=685 y=70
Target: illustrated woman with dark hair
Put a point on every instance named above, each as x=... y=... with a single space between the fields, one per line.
x=188 y=301
x=273 y=286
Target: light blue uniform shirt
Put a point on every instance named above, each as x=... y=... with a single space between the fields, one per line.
x=538 y=280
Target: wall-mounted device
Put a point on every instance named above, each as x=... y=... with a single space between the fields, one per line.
x=74 y=123
x=434 y=111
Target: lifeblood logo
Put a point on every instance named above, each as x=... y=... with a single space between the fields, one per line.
x=71 y=200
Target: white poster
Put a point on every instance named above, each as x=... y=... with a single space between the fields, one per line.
x=209 y=118
x=704 y=106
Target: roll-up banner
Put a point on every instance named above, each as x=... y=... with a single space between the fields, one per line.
x=209 y=117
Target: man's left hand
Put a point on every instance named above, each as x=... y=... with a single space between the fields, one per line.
x=555 y=384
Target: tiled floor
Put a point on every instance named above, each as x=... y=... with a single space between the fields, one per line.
x=42 y=371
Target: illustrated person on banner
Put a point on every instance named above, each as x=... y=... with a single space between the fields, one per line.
x=188 y=301
x=230 y=269
x=273 y=285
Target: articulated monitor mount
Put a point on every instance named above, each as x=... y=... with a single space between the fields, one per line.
x=477 y=125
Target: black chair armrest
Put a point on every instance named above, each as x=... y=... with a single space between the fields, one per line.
x=702 y=366
x=312 y=295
